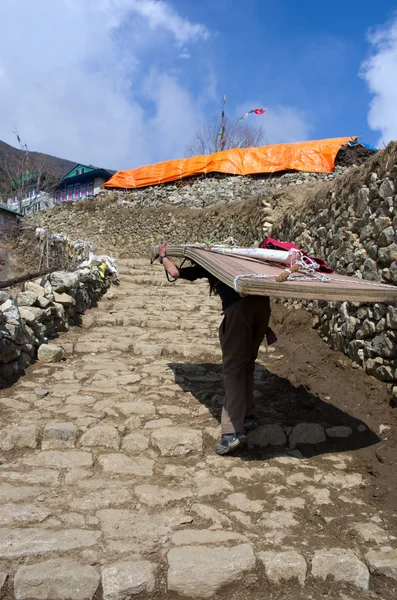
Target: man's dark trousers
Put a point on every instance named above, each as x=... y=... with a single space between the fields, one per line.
x=241 y=333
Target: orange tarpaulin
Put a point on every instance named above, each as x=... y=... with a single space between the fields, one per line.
x=315 y=157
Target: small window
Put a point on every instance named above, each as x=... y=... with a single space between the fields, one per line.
x=76 y=192
x=58 y=196
x=70 y=193
x=83 y=191
x=63 y=195
x=90 y=189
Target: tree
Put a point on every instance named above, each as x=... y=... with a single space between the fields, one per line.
x=208 y=140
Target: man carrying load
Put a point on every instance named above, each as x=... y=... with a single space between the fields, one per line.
x=244 y=326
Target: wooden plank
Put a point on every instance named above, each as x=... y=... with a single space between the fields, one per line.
x=253 y=277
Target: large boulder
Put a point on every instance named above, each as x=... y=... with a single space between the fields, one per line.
x=63 y=281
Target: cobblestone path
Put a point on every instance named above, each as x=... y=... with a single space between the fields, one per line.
x=110 y=486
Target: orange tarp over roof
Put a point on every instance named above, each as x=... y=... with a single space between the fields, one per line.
x=316 y=157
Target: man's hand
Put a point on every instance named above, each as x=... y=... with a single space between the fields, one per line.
x=163 y=249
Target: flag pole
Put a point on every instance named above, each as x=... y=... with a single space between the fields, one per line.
x=223 y=123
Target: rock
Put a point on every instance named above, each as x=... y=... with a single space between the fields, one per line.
x=284 y=566
x=124 y=465
x=11 y=514
x=386 y=189
x=41 y=393
x=43 y=302
x=30 y=541
x=3 y=577
x=101 y=435
x=63 y=281
x=146 y=349
x=59 y=435
x=384 y=346
x=341 y=564
x=339 y=431
x=26 y=299
x=50 y=353
x=57 y=579
x=29 y=286
x=267 y=435
x=383 y=562
x=19 y=436
x=307 y=433
x=388 y=255
x=391 y=318
x=153 y=495
x=64 y=299
x=387 y=237
x=134 y=443
x=10 y=312
x=242 y=503
x=31 y=314
x=8 y=351
x=199 y=572
x=123 y=580
x=177 y=441
x=369 y=270
x=68 y=459
x=362 y=201
x=191 y=537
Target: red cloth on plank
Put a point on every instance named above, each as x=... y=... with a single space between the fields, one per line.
x=271 y=244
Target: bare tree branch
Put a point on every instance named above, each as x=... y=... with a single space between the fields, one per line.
x=237 y=135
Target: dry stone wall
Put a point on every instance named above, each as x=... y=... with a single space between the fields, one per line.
x=32 y=318
x=109 y=225
x=353 y=225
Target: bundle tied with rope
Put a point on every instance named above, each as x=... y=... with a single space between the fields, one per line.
x=270 y=271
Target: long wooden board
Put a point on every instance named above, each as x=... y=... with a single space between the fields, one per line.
x=252 y=277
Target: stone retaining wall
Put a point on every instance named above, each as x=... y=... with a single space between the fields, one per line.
x=31 y=318
x=353 y=226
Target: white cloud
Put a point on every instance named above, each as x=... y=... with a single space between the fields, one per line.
x=74 y=81
x=380 y=73
x=280 y=123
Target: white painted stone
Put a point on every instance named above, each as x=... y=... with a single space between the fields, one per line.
x=58 y=579
x=284 y=566
x=342 y=565
x=123 y=580
x=59 y=435
x=199 y=572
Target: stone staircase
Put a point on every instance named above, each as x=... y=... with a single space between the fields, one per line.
x=111 y=488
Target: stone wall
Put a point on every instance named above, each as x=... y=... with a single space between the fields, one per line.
x=121 y=229
x=353 y=225
x=215 y=188
x=47 y=306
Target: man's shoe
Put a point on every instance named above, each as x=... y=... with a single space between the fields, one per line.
x=229 y=442
x=250 y=422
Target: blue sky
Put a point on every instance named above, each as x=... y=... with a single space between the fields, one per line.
x=121 y=83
